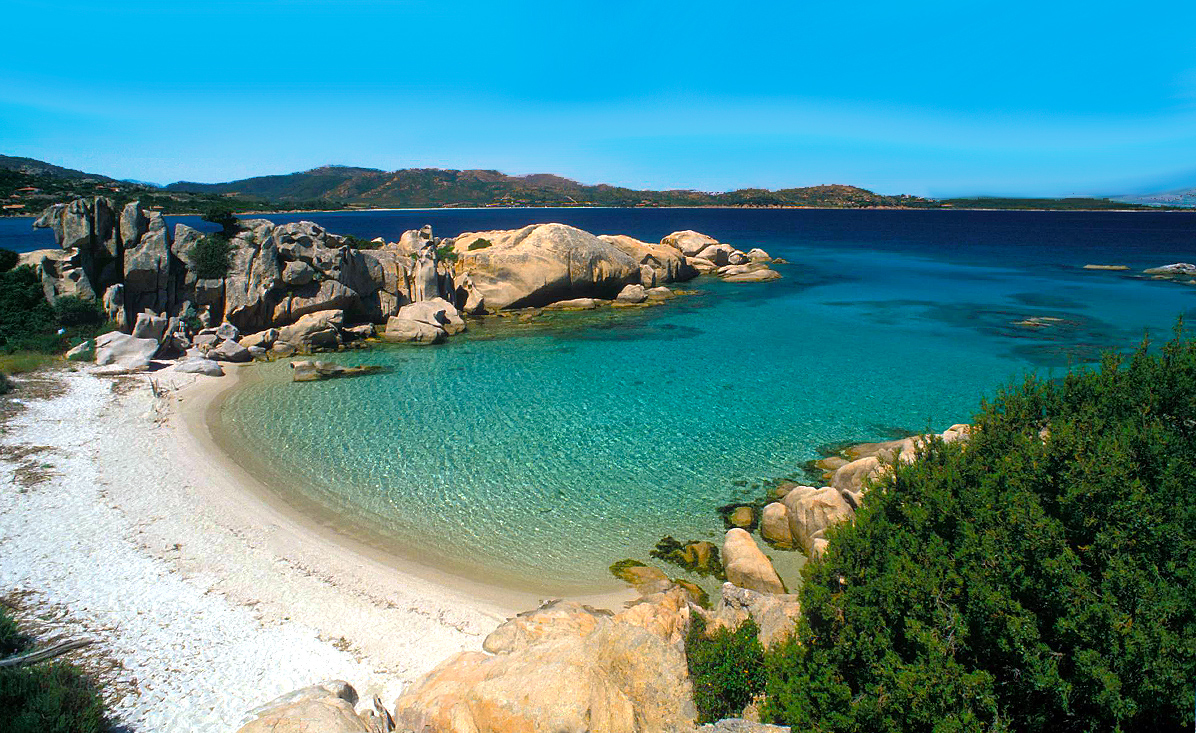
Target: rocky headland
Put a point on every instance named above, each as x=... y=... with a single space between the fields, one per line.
x=299 y=289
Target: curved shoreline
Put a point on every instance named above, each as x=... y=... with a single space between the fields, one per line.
x=324 y=531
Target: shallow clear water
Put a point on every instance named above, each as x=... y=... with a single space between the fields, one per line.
x=539 y=455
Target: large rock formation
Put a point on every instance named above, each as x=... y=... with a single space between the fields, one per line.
x=543 y=263
x=564 y=668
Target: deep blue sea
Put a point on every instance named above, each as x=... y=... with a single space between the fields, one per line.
x=536 y=456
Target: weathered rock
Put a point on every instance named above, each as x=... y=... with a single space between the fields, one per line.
x=660 y=293
x=122 y=350
x=746 y=566
x=148 y=268
x=263 y=339
x=638 y=574
x=811 y=511
x=544 y=263
x=298 y=273
x=758 y=255
x=150 y=326
x=700 y=265
x=854 y=476
x=326 y=708
x=227 y=332
x=700 y=556
x=203 y=366
x=755 y=276
x=591 y=672
x=319 y=330
x=688 y=242
x=739 y=725
x=436 y=312
x=230 y=351
x=85 y=351
x=573 y=304
x=659 y=263
x=1185 y=269
x=775 y=614
x=417 y=332
x=359 y=333
x=719 y=254
x=553 y=619
x=631 y=295
x=314 y=371
x=281 y=349
x=774 y=525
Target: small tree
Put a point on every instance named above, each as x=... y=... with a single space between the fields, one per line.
x=8 y=259
x=211 y=257
x=222 y=215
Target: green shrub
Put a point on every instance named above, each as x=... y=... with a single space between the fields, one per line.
x=8 y=259
x=1017 y=583
x=74 y=311
x=446 y=253
x=727 y=670
x=359 y=243
x=25 y=316
x=51 y=697
x=211 y=257
x=5 y=388
x=479 y=243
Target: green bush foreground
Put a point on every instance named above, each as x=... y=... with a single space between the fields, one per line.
x=1017 y=583
x=51 y=697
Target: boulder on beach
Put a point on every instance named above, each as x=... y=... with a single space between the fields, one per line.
x=746 y=566
x=85 y=351
x=326 y=708
x=230 y=351
x=123 y=350
x=575 y=671
x=199 y=365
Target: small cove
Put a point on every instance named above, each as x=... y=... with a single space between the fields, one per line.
x=536 y=455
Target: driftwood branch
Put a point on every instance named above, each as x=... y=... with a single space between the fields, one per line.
x=43 y=654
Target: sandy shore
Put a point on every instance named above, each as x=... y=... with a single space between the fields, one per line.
x=212 y=593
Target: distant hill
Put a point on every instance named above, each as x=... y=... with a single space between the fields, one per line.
x=27 y=186
x=434 y=187
x=29 y=166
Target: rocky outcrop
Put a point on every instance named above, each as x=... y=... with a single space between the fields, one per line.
x=631 y=295
x=313 y=332
x=775 y=614
x=688 y=242
x=659 y=263
x=148 y=267
x=746 y=566
x=811 y=511
x=564 y=668
x=1179 y=269
x=543 y=263
x=326 y=708
x=125 y=351
x=774 y=525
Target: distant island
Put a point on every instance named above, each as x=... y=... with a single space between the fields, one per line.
x=27 y=186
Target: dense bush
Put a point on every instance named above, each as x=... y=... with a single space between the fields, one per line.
x=479 y=243
x=727 y=670
x=212 y=256
x=70 y=310
x=8 y=259
x=50 y=697
x=1042 y=578
x=359 y=243
x=26 y=319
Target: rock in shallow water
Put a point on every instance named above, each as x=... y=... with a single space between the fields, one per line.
x=746 y=566
x=314 y=371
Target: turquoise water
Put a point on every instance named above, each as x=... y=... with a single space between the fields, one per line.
x=537 y=455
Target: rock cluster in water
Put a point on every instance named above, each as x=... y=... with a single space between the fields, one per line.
x=297 y=288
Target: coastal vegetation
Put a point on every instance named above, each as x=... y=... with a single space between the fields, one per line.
x=1041 y=576
x=726 y=668
x=32 y=331
x=47 y=697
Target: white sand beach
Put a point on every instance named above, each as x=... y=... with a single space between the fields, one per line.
x=212 y=596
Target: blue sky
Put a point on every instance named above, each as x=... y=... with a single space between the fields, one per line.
x=926 y=98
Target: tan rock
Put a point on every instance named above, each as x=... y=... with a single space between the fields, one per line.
x=774 y=525
x=757 y=276
x=573 y=304
x=746 y=566
x=688 y=242
x=618 y=677
x=742 y=516
x=665 y=263
x=314 y=330
x=326 y=708
x=775 y=615
x=811 y=511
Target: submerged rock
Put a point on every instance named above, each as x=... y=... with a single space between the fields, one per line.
x=314 y=371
